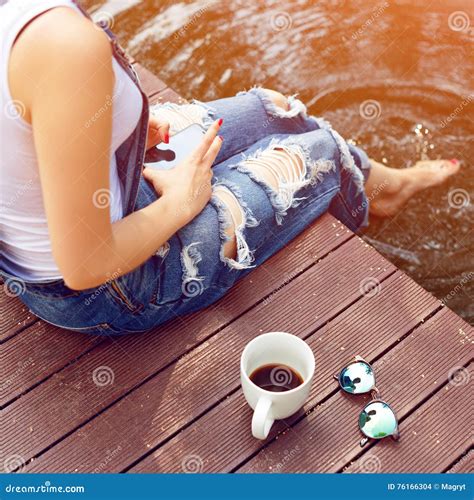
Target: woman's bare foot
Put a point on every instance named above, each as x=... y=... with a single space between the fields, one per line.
x=388 y=189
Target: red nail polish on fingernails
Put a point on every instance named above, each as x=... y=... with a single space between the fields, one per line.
x=454 y=161
x=220 y=121
x=167 y=139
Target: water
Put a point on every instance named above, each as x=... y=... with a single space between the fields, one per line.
x=394 y=76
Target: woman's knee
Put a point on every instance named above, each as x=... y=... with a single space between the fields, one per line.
x=277 y=98
x=278 y=165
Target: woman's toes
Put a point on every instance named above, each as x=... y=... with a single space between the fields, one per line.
x=451 y=166
x=436 y=171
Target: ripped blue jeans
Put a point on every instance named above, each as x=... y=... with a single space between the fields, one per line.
x=313 y=171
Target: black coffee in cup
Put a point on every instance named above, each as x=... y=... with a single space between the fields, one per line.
x=276 y=378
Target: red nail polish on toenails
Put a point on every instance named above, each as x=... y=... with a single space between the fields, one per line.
x=454 y=161
x=220 y=121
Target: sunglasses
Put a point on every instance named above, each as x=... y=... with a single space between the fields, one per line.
x=377 y=420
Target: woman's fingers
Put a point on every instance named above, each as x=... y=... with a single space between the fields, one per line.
x=207 y=140
x=164 y=131
x=212 y=152
x=158 y=131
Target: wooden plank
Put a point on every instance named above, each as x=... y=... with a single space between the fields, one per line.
x=328 y=438
x=435 y=433
x=398 y=307
x=465 y=465
x=150 y=83
x=157 y=348
x=167 y=95
x=155 y=88
x=38 y=352
x=14 y=316
x=195 y=383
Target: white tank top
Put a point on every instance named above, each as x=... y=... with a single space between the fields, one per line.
x=25 y=243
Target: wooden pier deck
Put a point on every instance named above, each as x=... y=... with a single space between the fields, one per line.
x=170 y=399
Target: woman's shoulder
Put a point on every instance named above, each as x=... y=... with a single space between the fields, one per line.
x=62 y=32
x=61 y=41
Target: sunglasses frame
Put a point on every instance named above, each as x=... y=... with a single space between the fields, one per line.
x=376 y=398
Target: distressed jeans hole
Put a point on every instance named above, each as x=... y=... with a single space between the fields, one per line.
x=276 y=166
x=278 y=99
x=236 y=217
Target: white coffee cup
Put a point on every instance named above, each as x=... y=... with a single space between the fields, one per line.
x=281 y=349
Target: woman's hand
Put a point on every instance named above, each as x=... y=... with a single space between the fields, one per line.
x=158 y=131
x=188 y=185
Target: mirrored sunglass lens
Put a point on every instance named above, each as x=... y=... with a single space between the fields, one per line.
x=357 y=378
x=377 y=420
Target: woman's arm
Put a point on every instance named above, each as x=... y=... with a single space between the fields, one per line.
x=61 y=68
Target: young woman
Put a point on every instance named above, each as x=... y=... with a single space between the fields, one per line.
x=91 y=242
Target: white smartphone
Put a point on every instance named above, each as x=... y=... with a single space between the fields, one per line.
x=181 y=145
